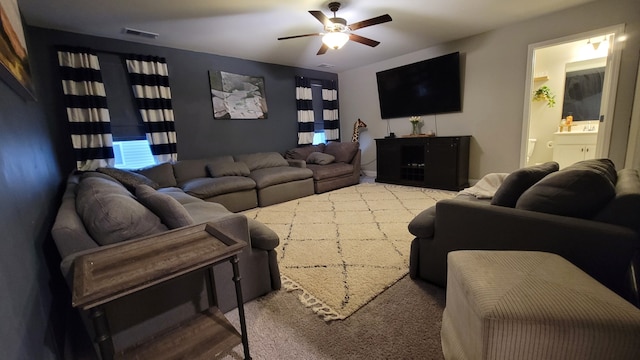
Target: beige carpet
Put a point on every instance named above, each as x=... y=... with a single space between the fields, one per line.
x=341 y=249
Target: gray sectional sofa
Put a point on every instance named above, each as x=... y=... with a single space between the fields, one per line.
x=588 y=213
x=109 y=206
x=334 y=165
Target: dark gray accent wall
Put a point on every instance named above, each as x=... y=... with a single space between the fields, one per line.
x=30 y=177
x=199 y=135
x=36 y=156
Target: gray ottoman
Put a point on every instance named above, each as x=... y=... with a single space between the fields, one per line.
x=532 y=305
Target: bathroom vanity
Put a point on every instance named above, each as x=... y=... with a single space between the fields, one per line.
x=571 y=147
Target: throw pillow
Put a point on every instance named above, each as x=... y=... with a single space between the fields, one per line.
x=342 y=151
x=519 y=181
x=129 y=179
x=111 y=214
x=320 y=158
x=303 y=152
x=168 y=209
x=579 y=190
x=161 y=173
x=218 y=169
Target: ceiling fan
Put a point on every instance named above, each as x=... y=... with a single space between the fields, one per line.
x=337 y=32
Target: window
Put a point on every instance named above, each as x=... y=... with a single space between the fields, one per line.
x=130 y=146
x=318 y=117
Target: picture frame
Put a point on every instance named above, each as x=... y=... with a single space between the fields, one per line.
x=14 y=59
x=236 y=96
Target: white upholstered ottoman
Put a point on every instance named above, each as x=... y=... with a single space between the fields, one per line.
x=532 y=305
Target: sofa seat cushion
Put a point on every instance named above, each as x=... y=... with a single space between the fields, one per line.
x=279 y=175
x=168 y=209
x=342 y=151
x=321 y=172
x=580 y=190
x=262 y=160
x=162 y=174
x=262 y=237
x=111 y=214
x=519 y=181
x=207 y=187
x=179 y=194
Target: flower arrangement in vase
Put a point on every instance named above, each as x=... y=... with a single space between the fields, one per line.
x=415 y=125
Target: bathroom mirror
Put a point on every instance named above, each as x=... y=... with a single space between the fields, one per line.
x=583 y=89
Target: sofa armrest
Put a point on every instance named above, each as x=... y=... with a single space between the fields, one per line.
x=297 y=163
x=602 y=250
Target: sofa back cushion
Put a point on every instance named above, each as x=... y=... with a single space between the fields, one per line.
x=342 y=151
x=519 y=181
x=128 y=178
x=624 y=209
x=580 y=190
x=218 y=169
x=161 y=174
x=303 y=152
x=189 y=169
x=111 y=214
x=262 y=160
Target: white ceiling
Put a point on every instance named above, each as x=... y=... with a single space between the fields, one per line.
x=249 y=29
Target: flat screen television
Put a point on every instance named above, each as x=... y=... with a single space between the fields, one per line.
x=427 y=87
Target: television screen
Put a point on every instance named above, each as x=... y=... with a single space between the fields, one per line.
x=427 y=87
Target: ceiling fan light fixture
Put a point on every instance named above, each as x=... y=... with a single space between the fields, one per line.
x=335 y=40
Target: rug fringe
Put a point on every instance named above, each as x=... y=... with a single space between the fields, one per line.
x=317 y=306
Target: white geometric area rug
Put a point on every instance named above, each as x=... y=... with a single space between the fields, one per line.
x=341 y=249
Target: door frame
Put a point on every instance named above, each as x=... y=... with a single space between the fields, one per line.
x=609 y=87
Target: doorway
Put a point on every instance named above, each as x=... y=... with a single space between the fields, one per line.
x=580 y=73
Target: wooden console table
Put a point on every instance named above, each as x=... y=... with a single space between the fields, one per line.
x=125 y=268
x=439 y=162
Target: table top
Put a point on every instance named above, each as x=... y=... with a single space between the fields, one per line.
x=114 y=271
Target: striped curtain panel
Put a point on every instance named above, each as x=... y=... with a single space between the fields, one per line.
x=87 y=112
x=330 y=110
x=150 y=81
x=305 y=111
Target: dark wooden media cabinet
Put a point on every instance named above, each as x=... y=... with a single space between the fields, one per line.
x=440 y=162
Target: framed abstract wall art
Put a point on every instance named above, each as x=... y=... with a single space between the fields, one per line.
x=14 y=61
x=237 y=96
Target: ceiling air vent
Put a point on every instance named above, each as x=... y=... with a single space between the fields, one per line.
x=325 y=65
x=142 y=33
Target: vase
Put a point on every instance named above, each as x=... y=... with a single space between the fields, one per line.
x=415 y=129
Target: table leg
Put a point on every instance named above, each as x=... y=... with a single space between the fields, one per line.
x=243 y=324
x=103 y=334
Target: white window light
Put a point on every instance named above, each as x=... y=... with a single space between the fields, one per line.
x=132 y=154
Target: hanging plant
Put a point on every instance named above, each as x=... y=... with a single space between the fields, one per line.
x=545 y=94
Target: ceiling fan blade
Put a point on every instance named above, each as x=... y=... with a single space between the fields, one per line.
x=298 y=36
x=363 y=40
x=373 y=21
x=321 y=17
x=323 y=49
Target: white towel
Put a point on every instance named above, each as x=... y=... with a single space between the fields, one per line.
x=486 y=187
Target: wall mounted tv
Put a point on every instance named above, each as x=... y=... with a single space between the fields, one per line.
x=427 y=87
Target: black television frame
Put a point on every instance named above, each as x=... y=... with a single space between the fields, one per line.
x=428 y=87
